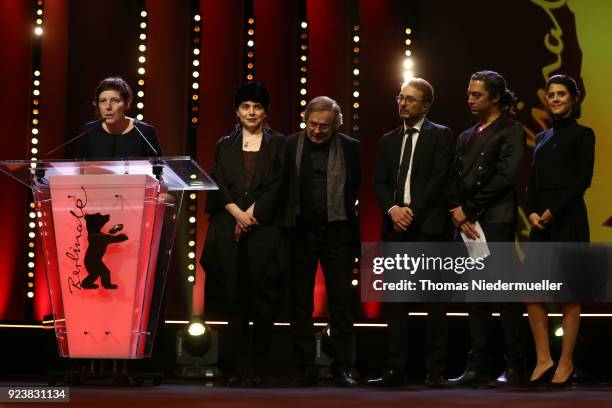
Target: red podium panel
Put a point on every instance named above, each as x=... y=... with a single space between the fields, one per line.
x=105 y=278
x=107 y=230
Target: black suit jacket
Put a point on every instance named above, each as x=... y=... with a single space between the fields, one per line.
x=431 y=164
x=267 y=187
x=226 y=261
x=353 y=166
x=483 y=177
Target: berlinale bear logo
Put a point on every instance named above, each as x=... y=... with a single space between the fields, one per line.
x=98 y=241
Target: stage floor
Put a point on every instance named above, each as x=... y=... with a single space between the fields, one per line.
x=196 y=395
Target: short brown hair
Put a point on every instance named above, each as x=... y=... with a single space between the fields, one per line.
x=423 y=86
x=114 y=84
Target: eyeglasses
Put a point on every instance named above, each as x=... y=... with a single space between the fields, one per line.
x=323 y=127
x=407 y=99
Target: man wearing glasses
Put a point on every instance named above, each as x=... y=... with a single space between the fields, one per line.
x=410 y=178
x=324 y=187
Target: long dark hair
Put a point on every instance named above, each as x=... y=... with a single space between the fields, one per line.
x=496 y=85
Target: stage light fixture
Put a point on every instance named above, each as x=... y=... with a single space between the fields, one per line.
x=302 y=65
x=407 y=63
x=197 y=349
x=559 y=332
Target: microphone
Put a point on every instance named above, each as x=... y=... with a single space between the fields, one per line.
x=80 y=135
x=145 y=139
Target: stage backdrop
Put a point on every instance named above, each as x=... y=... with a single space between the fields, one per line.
x=87 y=40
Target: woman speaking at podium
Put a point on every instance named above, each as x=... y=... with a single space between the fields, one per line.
x=114 y=135
x=242 y=254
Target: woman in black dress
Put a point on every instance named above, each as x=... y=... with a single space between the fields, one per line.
x=114 y=135
x=562 y=170
x=242 y=253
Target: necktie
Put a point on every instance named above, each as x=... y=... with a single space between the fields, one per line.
x=404 y=165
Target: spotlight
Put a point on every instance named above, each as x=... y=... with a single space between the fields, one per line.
x=559 y=332
x=38 y=31
x=197 y=350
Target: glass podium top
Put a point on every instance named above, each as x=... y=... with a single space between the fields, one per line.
x=177 y=173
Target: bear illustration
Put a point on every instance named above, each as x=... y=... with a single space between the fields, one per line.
x=98 y=241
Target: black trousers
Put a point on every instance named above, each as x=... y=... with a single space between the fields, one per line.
x=511 y=315
x=332 y=245
x=250 y=345
x=436 y=329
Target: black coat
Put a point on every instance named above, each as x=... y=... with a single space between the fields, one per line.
x=257 y=258
x=482 y=179
x=562 y=169
x=353 y=167
x=431 y=164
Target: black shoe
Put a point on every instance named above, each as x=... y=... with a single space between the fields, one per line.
x=235 y=381
x=257 y=382
x=564 y=384
x=436 y=381
x=110 y=286
x=470 y=378
x=543 y=379
x=392 y=377
x=305 y=380
x=509 y=378
x=344 y=379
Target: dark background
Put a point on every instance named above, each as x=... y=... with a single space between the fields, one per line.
x=87 y=40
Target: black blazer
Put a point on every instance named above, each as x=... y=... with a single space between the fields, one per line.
x=353 y=166
x=267 y=186
x=482 y=180
x=562 y=169
x=432 y=159
x=225 y=260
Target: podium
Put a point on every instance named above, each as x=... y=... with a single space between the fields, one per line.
x=107 y=229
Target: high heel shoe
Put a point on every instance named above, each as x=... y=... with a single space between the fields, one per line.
x=563 y=384
x=543 y=379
